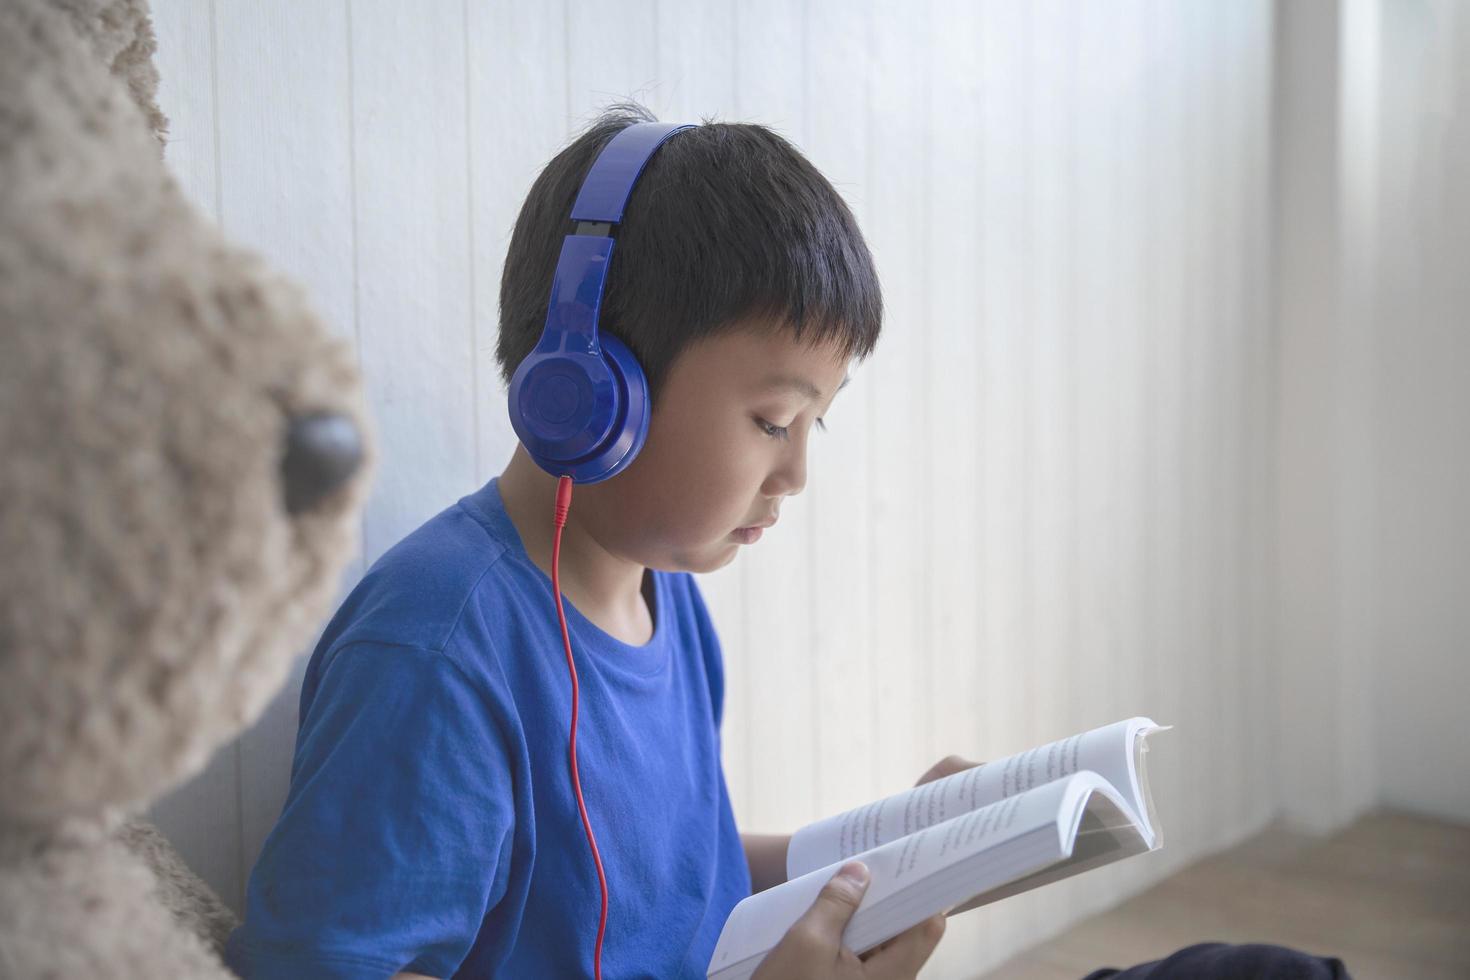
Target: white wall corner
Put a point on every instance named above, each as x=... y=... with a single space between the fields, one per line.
x=1324 y=623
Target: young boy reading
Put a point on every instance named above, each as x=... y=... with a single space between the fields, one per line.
x=431 y=826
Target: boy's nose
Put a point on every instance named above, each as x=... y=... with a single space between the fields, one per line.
x=790 y=478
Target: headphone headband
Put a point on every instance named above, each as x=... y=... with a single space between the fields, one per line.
x=579 y=402
x=610 y=180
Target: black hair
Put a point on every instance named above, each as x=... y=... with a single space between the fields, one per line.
x=727 y=222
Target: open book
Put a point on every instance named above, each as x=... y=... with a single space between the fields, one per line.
x=956 y=843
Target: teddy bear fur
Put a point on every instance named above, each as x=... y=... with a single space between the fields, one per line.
x=154 y=588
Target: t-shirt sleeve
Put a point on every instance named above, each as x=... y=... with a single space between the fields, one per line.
x=394 y=841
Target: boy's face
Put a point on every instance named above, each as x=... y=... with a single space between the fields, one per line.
x=726 y=444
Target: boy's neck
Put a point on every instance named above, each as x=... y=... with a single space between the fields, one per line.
x=607 y=589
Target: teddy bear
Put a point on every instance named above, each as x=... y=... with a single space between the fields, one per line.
x=185 y=454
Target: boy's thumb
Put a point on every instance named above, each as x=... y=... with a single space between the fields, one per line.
x=838 y=900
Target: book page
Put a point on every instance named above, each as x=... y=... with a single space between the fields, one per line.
x=1036 y=836
x=759 y=922
x=1104 y=834
x=1108 y=751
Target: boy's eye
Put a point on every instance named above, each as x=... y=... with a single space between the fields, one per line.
x=774 y=431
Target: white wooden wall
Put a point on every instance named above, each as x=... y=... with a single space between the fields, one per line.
x=1045 y=504
x=1414 y=241
x=1325 y=619
x=1372 y=178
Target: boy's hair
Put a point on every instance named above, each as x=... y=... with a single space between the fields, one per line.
x=727 y=221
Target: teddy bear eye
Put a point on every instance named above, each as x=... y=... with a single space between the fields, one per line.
x=322 y=452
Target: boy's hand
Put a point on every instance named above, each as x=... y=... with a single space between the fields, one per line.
x=947 y=766
x=813 y=946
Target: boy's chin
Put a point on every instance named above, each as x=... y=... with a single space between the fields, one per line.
x=709 y=560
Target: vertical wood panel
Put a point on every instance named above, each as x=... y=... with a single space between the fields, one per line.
x=770 y=51
x=412 y=207
x=695 y=70
x=902 y=648
x=285 y=145
x=837 y=139
x=1192 y=543
x=1051 y=285
x=1102 y=84
x=1125 y=39
x=1219 y=699
x=1263 y=722
x=1003 y=418
x=612 y=51
x=1207 y=444
x=952 y=245
x=1165 y=388
x=1048 y=288
x=949 y=203
x=1236 y=611
x=1306 y=495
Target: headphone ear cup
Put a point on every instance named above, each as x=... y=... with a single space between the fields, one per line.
x=582 y=415
x=562 y=405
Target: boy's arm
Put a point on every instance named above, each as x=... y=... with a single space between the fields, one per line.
x=766 y=856
x=391 y=846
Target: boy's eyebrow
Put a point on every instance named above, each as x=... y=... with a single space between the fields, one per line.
x=802 y=385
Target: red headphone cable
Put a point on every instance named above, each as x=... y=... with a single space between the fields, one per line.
x=563 y=505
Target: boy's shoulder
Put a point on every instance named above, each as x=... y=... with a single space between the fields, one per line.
x=417 y=591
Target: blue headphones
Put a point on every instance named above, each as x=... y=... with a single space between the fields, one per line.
x=579 y=401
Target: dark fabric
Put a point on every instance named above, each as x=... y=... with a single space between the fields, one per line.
x=1224 y=961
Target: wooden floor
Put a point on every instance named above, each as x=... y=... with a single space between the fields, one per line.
x=1389 y=896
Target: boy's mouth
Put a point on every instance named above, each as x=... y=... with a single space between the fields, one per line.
x=747 y=535
x=752 y=533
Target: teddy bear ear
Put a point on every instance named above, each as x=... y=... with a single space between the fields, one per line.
x=121 y=34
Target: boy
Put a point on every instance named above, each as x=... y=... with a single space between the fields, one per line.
x=430 y=825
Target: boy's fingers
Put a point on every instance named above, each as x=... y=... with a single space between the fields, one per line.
x=837 y=901
x=903 y=955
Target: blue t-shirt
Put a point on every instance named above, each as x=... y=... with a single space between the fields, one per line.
x=430 y=825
